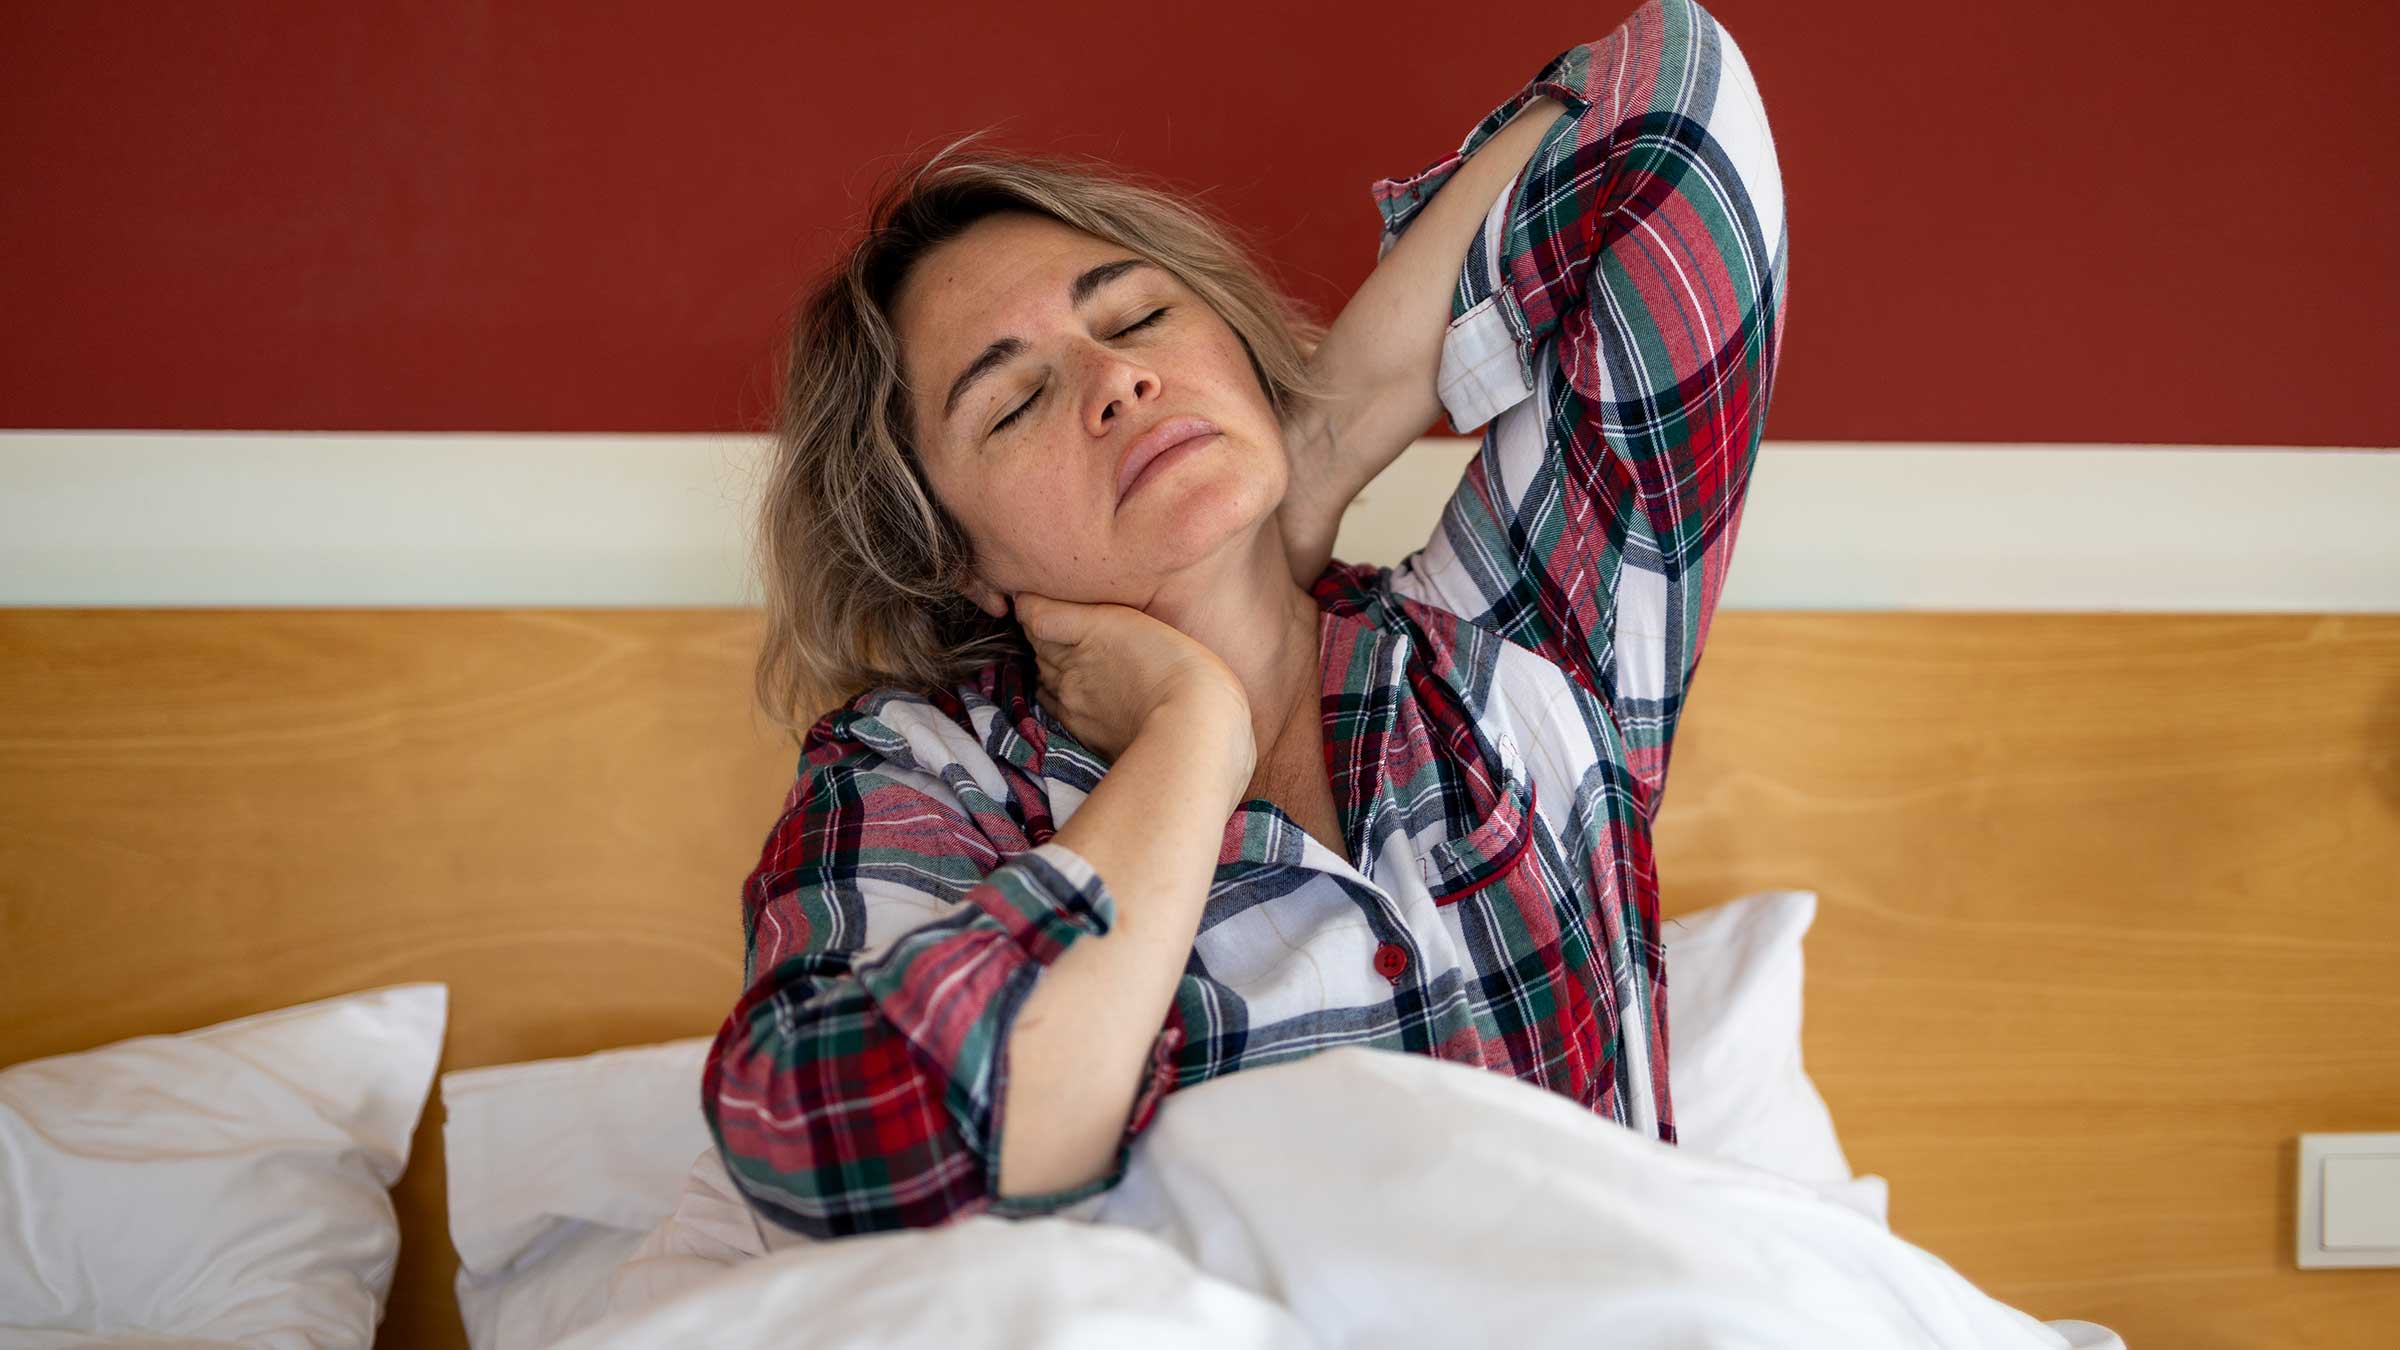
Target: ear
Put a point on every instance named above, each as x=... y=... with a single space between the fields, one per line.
x=986 y=599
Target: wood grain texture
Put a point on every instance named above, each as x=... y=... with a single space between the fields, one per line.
x=210 y=813
x=2106 y=909
x=2106 y=920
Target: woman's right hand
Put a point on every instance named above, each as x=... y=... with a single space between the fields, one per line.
x=1107 y=669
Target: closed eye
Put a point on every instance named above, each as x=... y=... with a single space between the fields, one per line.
x=1155 y=316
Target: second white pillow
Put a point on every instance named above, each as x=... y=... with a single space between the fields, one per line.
x=225 y=1184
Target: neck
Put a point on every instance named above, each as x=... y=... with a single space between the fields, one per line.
x=1261 y=623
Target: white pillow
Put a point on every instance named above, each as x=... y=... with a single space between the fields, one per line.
x=1734 y=974
x=551 y=1161
x=557 y=1169
x=222 y=1185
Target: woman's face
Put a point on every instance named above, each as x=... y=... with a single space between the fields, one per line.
x=1026 y=458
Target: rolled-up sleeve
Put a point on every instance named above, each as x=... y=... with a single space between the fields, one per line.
x=859 y=1083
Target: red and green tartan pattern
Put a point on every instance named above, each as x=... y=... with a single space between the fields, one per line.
x=910 y=895
x=1668 y=343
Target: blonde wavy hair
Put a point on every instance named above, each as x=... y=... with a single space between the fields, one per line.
x=863 y=569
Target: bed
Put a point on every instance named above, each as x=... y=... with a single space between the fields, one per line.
x=2103 y=916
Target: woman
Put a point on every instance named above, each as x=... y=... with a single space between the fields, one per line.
x=1144 y=787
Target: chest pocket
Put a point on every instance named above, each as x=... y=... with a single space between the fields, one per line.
x=1460 y=867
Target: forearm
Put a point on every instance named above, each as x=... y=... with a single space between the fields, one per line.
x=1152 y=829
x=1320 y=492
x=1383 y=355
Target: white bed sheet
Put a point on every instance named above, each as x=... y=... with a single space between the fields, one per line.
x=1368 y=1198
x=558 y=1166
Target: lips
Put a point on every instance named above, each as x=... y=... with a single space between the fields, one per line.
x=1155 y=442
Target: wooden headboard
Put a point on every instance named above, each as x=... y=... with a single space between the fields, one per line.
x=2107 y=901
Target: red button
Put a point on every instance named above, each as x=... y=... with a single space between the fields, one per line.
x=1390 y=959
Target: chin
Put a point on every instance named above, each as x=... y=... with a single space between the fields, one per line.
x=1203 y=515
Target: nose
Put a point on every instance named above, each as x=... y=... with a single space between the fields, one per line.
x=1123 y=384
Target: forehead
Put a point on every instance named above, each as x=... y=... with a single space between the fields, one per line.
x=1007 y=240
x=1000 y=276
x=996 y=258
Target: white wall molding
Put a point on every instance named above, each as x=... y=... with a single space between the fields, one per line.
x=459 y=519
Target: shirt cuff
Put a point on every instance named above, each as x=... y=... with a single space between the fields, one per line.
x=1484 y=371
x=1084 y=1201
x=1487 y=351
x=1046 y=897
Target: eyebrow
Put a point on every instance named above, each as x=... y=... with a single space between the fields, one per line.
x=1006 y=349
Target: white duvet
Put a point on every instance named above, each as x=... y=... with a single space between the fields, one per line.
x=1368 y=1198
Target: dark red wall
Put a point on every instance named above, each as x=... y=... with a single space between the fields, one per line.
x=2117 y=222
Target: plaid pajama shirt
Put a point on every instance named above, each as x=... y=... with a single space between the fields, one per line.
x=1497 y=709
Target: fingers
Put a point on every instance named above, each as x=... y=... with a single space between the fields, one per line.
x=1047 y=619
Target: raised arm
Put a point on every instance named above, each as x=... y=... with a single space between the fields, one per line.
x=1619 y=326
x=1384 y=349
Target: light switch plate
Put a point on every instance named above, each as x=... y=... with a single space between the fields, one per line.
x=2362 y=1210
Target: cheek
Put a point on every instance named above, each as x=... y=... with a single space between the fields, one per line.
x=1032 y=514
x=1233 y=373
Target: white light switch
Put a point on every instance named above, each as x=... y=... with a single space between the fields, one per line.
x=2362 y=1201
x=2349 y=1200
